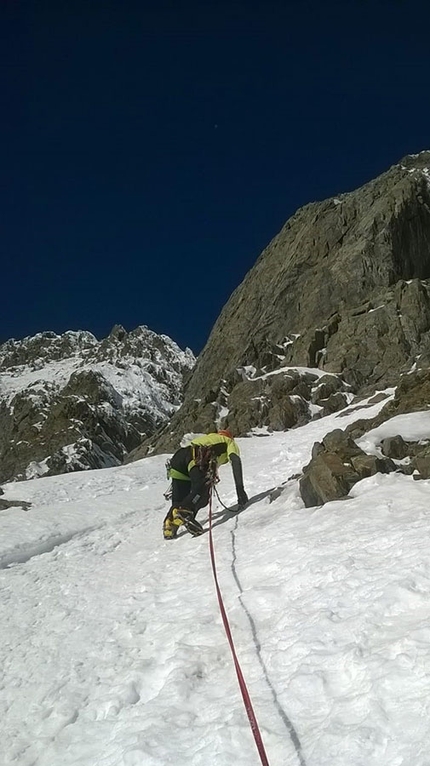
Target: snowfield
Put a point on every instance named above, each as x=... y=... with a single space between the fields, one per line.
x=112 y=647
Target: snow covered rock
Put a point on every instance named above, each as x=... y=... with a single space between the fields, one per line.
x=70 y=402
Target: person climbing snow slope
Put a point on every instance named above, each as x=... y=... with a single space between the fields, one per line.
x=193 y=470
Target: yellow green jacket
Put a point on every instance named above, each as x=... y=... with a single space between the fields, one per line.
x=222 y=447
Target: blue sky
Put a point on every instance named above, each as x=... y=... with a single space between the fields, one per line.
x=151 y=150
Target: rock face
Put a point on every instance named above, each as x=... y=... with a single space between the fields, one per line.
x=344 y=287
x=326 y=266
x=412 y=395
x=70 y=402
x=280 y=400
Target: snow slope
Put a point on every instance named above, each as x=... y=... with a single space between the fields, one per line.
x=112 y=649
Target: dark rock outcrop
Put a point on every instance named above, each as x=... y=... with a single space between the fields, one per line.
x=6 y=504
x=336 y=465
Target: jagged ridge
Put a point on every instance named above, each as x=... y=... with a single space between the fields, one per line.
x=70 y=402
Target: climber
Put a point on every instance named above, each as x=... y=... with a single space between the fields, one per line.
x=193 y=470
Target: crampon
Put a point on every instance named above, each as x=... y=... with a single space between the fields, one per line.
x=191 y=525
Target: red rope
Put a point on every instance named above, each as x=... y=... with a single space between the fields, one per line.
x=242 y=685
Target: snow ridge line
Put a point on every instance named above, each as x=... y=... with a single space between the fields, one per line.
x=24 y=554
x=282 y=714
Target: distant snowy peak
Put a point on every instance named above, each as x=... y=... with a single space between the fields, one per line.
x=139 y=365
x=141 y=343
x=70 y=402
x=44 y=346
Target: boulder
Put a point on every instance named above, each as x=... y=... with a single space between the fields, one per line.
x=334 y=403
x=394 y=447
x=327 y=478
x=327 y=385
x=369 y=465
x=421 y=464
x=339 y=442
x=336 y=465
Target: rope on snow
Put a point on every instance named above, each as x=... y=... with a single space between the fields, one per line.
x=242 y=685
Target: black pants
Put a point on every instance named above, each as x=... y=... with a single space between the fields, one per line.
x=192 y=494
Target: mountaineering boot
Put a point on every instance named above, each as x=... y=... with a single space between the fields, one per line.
x=186 y=517
x=170 y=529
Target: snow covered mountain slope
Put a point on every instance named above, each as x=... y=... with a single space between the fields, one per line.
x=70 y=402
x=112 y=649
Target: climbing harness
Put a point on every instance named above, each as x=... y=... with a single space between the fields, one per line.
x=205 y=459
x=242 y=684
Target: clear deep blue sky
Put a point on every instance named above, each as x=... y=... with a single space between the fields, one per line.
x=150 y=150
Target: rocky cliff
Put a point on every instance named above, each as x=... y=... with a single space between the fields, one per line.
x=343 y=288
x=70 y=402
